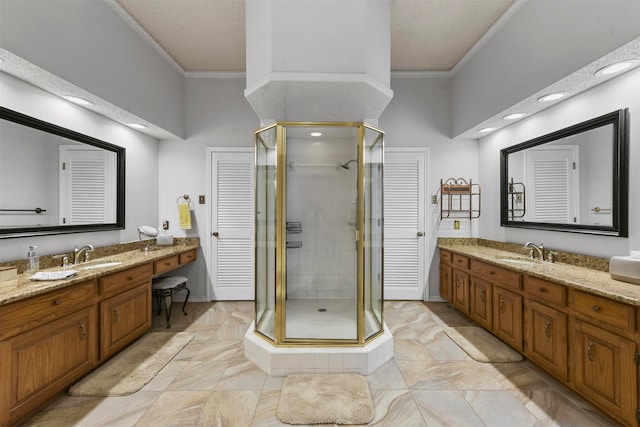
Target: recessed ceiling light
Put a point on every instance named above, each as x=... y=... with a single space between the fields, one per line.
x=485 y=130
x=77 y=100
x=552 y=97
x=617 y=67
x=316 y=134
x=137 y=126
x=514 y=116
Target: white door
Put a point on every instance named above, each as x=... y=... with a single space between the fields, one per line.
x=404 y=223
x=232 y=224
x=551 y=179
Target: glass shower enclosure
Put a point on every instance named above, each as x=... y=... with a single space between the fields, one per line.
x=319 y=233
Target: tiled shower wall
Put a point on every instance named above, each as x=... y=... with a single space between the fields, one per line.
x=322 y=196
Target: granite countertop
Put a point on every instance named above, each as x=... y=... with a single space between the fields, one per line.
x=585 y=279
x=22 y=288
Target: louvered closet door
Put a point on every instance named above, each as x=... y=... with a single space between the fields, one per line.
x=87 y=183
x=551 y=178
x=232 y=225
x=404 y=224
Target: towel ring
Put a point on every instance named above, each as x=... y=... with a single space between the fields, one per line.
x=185 y=198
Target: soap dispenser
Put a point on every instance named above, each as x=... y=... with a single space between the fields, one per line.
x=33 y=263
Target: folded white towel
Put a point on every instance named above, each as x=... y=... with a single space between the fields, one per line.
x=53 y=275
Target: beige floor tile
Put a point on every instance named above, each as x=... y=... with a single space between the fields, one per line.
x=395 y=408
x=442 y=408
x=387 y=377
x=199 y=375
x=500 y=408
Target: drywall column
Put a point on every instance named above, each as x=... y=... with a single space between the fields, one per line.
x=321 y=60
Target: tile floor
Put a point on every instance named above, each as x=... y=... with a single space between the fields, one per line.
x=429 y=382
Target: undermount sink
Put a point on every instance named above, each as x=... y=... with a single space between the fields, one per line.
x=100 y=264
x=525 y=261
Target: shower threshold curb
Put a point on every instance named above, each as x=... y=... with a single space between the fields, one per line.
x=283 y=361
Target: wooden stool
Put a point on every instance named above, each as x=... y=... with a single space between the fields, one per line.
x=163 y=289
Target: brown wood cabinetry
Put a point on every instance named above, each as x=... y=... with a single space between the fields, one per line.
x=40 y=363
x=480 y=302
x=507 y=316
x=546 y=338
x=49 y=341
x=605 y=370
x=123 y=318
x=446 y=281
x=460 y=290
x=589 y=342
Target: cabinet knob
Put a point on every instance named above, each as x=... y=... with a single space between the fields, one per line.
x=215 y=234
x=596 y=308
x=541 y=290
x=58 y=301
x=420 y=234
x=83 y=331
x=501 y=306
x=115 y=315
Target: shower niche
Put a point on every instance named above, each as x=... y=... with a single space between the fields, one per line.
x=319 y=236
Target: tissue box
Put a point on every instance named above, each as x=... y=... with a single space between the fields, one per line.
x=625 y=268
x=8 y=273
x=163 y=240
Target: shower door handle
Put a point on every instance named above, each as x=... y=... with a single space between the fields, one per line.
x=420 y=234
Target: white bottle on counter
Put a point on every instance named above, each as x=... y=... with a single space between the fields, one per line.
x=33 y=261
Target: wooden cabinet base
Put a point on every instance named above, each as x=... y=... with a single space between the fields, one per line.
x=39 y=364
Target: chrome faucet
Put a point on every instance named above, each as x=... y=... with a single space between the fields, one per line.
x=77 y=252
x=539 y=248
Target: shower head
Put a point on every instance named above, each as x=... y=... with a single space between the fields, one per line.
x=346 y=165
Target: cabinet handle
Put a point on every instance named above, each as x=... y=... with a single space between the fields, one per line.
x=83 y=331
x=115 y=315
x=483 y=296
x=589 y=348
x=129 y=278
x=541 y=290
x=547 y=329
x=491 y=273
x=167 y=263
x=596 y=308
x=58 y=301
x=502 y=306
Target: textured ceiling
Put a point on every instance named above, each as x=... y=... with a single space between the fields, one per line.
x=209 y=35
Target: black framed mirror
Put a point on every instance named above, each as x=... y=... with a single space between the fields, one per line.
x=55 y=181
x=574 y=179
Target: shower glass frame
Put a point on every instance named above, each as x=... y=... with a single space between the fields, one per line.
x=271 y=234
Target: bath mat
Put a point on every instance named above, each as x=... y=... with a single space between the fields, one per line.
x=325 y=399
x=134 y=367
x=481 y=345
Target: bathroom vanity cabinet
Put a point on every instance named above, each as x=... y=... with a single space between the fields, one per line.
x=588 y=342
x=49 y=341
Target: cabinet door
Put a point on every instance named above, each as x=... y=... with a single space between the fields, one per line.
x=460 y=291
x=480 y=302
x=445 y=281
x=507 y=317
x=605 y=370
x=546 y=338
x=123 y=318
x=40 y=363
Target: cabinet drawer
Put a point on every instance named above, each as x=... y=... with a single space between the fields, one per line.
x=460 y=261
x=187 y=257
x=166 y=264
x=496 y=274
x=127 y=279
x=605 y=310
x=544 y=290
x=446 y=257
x=24 y=315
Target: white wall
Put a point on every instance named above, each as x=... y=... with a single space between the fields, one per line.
x=419 y=116
x=89 y=45
x=217 y=115
x=621 y=92
x=543 y=42
x=141 y=167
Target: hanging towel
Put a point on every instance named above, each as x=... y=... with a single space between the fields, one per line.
x=184 y=215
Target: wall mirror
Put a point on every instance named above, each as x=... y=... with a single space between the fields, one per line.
x=54 y=180
x=574 y=179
